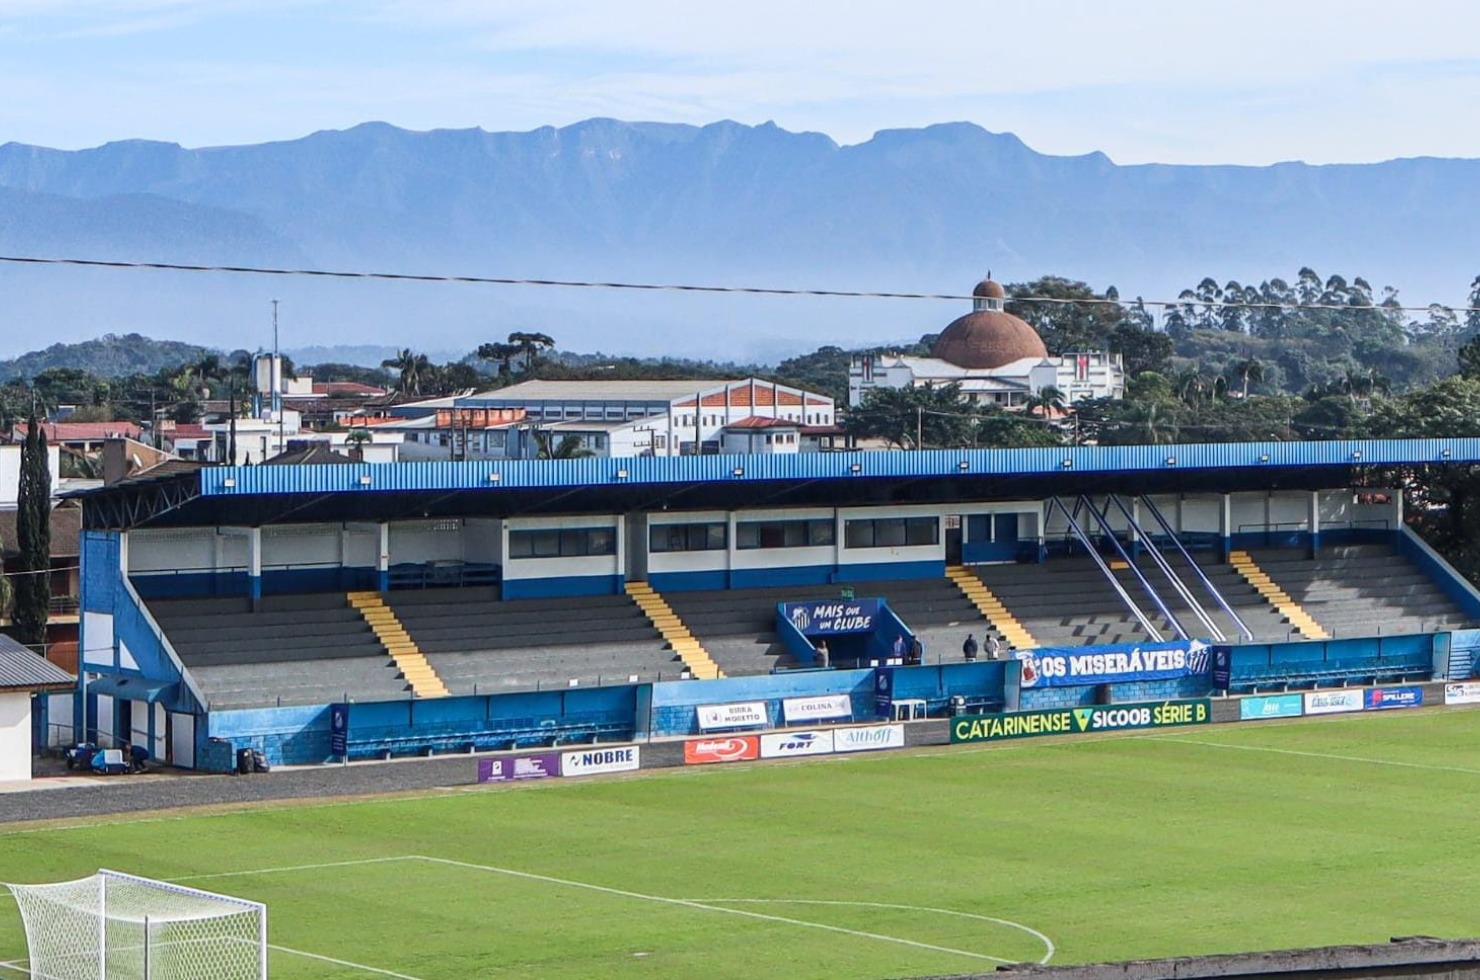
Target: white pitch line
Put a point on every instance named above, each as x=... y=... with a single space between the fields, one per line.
x=292 y=867
x=686 y=903
x=348 y=963
x=1328 y=756
x=1047 y=942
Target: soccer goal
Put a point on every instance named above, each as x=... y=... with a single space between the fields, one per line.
x=113 y=926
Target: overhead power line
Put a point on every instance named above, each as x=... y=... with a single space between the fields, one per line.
x=698 y=288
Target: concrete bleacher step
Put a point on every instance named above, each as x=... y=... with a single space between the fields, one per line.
x=668 y=623
x=1011 y=629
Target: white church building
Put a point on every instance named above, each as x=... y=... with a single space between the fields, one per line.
x=996 y=358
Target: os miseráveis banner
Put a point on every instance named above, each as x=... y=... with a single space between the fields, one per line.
x=1080 y=721
x=1068 y=667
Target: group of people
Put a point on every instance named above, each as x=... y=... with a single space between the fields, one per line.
x=995 y=649
x=912 y=653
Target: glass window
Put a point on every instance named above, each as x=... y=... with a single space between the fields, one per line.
x=562 y=542
x=891 y=532
x=922 y=531
x=687 y=537
x=859 y=534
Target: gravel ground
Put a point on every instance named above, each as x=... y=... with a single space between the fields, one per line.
x=170 y=790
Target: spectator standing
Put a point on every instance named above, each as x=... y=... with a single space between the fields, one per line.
x=898 y=653
x=917 y=652
x=969 y=648
x=824 y=658
x=994 y=648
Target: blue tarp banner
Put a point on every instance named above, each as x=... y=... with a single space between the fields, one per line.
x=829 y=617
x=1080 y=666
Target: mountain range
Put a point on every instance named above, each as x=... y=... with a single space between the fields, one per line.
x=927 y=209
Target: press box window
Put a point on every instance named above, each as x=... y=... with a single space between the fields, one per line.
x=892 y=532
x=687 y=537
x=783 y=534
x=579 y=542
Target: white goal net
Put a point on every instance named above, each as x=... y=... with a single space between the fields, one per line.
x=113 y=926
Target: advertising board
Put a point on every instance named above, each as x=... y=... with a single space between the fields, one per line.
x=510 y=768
x=1068 y=667
x=1332 y=702
x=745 y=714
x=1463 y=692
x=868 y=739
x=1383 y=698
x=818 y=708
x=784 y=745
x=1079 y=721
x=733 y=748
x=339 y=730
x=830 y=617
x=595 y=762
x=1270 y=706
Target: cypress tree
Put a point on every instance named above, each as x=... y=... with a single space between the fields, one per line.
x=33 y=539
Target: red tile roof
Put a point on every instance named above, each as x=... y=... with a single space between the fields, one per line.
x=81 y=431
x=762 y=422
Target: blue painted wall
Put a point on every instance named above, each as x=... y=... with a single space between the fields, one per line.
x=1455 y=586
x=550 y=588
x=1333 y=661
x=300 y=735
x=675 y=703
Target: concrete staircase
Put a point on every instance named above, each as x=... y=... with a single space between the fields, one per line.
x=1299 y=619
x=1004 y=622
x=677 y=635
x=410 y=661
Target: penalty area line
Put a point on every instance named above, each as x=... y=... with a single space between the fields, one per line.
x=1327 y=756
x=689 y=903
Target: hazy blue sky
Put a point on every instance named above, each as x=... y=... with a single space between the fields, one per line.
x=1254 y=81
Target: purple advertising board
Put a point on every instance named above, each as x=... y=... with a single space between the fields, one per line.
x=509 y=768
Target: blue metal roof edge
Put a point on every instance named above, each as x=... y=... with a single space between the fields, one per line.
x=552 y=474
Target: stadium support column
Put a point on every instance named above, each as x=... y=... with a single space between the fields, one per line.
x=1135 y=528
x=383 y=559
x=1314 y=522
x=1225 y=523
x=254 y=566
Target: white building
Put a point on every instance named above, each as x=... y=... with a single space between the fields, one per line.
x=24 y=678
x=10 y=471
x=657 y=418
x=996 y=358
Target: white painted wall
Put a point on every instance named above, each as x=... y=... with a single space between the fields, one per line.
x=785 y=557
x=300 y=545
x=424 y=541
x=171 y=551
x=10 y=472
x=97 y=637
x=59 y=719
x=663 y=562
x=483 y=540
x=15 y=736
x=182 y=738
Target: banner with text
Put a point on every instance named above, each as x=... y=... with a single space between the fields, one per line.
x=1069 y=667
x=594 y=762
x=1332 y=702
x=869 y=738
x=1383 y=698
x=829 y=617
x=1464 y=692
x=541 y=765
x=735 y=748
x=1079 y=721
x=746 y=714
x=818 y=708
x=788 y=744
x=1270 y=706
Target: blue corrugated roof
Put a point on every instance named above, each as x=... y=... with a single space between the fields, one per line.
x=555 y=474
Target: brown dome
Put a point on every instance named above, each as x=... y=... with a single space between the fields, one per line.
x=989 y=288
x=988 y=339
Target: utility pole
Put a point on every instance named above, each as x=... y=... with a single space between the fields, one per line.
x=276 y=375
x=919 y=425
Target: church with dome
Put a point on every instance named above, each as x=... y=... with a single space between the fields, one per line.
x=996 y=358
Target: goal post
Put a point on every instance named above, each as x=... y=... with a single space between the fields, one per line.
x=115 y=926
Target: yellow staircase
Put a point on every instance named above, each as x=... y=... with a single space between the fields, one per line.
x=666 y=621
x=403 y=650
x=1293 y=612
x=1014 y=632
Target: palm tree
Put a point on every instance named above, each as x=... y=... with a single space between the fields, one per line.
x=1190 y=386
x=1248 y=370
x=355 y=441
x=412 y=367
x=569 y=447
x=1149 y=425
x=1049 y=400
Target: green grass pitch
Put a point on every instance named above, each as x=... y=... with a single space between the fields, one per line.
x=946 y=860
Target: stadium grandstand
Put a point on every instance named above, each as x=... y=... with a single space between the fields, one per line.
x=366 y=610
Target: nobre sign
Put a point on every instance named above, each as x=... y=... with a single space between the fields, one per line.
x=595 y=762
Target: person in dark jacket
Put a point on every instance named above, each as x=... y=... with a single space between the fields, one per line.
x=969 y=648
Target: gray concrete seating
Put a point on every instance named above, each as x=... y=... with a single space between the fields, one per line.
x=221 y=631
x=738 y=626
x=300 y=682
x=476 y=641
x=1066 y=602
x=1362 y=590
